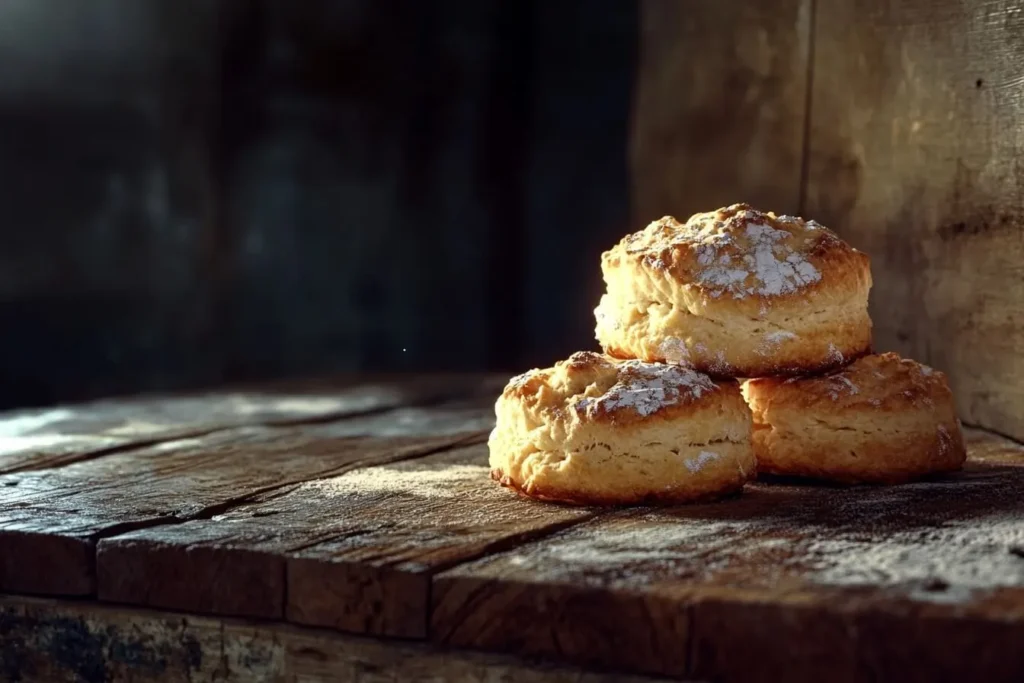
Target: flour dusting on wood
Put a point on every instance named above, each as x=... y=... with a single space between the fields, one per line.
x=939 y=541
x=422 y=482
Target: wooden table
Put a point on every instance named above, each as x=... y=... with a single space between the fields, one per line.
x=352 y=533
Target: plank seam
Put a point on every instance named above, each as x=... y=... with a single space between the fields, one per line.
x=94 y=454
x=515 y=541
x=495 y=548
x=805 y=158
x=232 y=504
x=994 y=432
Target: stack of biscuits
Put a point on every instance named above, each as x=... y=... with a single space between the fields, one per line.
x=735 y=343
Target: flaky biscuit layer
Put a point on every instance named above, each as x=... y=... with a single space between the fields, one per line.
x=736 y=293
x=883 y=419
x=594 y=430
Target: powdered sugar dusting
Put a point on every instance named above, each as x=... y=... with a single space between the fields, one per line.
x=703 y=458
x=765 y=265
x=646 y=388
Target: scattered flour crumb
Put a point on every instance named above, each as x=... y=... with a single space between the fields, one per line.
x=771 y=341
x=422 y=482
x=697 y=464
x=778 y=336
x=674 y=350
x=834 y=354
x=945 y=441
x=840 y=384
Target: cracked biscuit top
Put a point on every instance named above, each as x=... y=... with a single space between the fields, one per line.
x=596 y=388
x=736 y=292
x=739 y=252
x=596 y=430
x=881 y=382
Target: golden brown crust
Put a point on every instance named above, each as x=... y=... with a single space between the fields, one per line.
x=598 y=388
x=883 y=419
x=593 y=430
x=883 y=382
x=736 y=292
x=741 y=253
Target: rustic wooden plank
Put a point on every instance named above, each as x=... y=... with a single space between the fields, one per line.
x=50 y=520
x=795 y=582
x=915 y=156
x=53 y=642
x=39 y=439
x=357 y=551
x=719 y=106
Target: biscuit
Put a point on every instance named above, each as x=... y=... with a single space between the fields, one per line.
x=736 y=293
x=883 y=419
x=594 y=430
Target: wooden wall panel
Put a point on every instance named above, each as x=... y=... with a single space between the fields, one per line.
x=896 y=123
x=914 y=155
x=719 y=106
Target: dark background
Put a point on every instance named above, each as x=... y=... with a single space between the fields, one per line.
x=197 y=192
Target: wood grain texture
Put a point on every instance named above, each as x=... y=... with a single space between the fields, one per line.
x=48 y=641
x=356 y=551
x=795 y=582
x=40 y=439
x=50 y=520
x=914 y=156
x=719 y=106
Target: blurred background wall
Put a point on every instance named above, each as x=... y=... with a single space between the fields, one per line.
x=204 y=191
x=200 y=191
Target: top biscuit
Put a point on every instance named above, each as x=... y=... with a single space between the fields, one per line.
x=736 y=292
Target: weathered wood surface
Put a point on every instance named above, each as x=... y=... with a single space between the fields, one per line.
x=917 y=582
x=47 y=641
x=386 y=524
x=914 y=151
x=719 y=106
x=915 y=156
x=39 y=439
x=356 y=551
x=50 y=520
